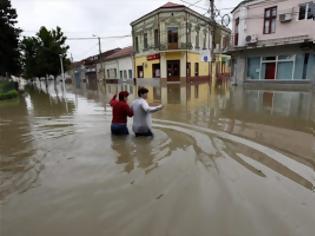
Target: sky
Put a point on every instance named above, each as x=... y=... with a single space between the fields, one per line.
x=85 y=18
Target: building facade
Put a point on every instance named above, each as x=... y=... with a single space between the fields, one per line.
x=174 y=43
x=118 y=66
x=273 y=41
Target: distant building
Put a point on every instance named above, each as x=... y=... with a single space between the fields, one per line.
x=86 y=69
x=118 y=66
x=274 y=41
x=174 y=42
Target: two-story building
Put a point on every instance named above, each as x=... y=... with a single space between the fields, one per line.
x=174 y=43
x=273 y=41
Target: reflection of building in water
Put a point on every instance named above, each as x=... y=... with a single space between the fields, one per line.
x=290 y=104
x=195 y=94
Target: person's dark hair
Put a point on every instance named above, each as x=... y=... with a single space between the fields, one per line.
x=122 y=95
x=142 y=91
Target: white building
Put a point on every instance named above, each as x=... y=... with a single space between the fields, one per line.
x=118 y=66
x=274 y=42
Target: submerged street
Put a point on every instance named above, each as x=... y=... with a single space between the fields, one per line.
x=224 y=161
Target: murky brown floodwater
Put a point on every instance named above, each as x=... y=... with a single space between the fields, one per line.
x=224 y=161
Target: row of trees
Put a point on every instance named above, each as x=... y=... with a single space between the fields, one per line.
x=35 y=56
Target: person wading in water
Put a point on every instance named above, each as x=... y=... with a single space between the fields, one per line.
x=142 y=123
x=121 y=110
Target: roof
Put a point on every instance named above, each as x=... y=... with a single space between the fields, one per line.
x=171 y=5
x=168 y=5
x=108 y=53
x=92 y=60
x=124 y=52
x=241 y=3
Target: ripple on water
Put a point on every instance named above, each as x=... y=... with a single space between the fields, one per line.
x=217 y=144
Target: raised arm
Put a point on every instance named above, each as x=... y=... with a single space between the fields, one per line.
x=150 y=109
x=113 y=101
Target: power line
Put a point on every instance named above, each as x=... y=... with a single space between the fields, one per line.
x=107 y=37
x=194 y=5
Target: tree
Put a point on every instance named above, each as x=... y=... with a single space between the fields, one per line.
x=30 y=46
x=9 y=40
x=41 y=54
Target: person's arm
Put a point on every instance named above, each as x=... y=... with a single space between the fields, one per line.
x=113 y=101
x=145 y=106
x=129 y=111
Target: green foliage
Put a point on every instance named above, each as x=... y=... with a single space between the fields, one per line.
x=9 y=40
x=8 y=95
x=41 y=54
x=7 y=90
x=6 y=86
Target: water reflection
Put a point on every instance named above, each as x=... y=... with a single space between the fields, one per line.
x=212 y=144
x=20 y=162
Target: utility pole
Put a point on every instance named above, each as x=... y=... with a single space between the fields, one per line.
x=100 y=59
x=212 y=25
x=62 y=72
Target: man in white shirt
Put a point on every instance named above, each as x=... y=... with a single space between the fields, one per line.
x=142 y=123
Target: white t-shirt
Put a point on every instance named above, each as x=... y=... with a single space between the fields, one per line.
x=142 y=122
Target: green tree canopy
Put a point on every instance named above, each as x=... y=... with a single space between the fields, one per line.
x=9 y=40
x=41 y=54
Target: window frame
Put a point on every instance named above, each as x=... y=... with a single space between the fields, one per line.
x=307 y=11
x=271 y=18
x=145 y=41
x=156 y=38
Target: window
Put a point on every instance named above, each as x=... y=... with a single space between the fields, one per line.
x=188 y=69
x=137 y=44
x=125 y=74
x=196 y=69
x=115 y=73
x=273 y=67
x=188 y=34
x=284 y=70
x=270 y=20
x=305 y=12
x=253 y=68
x=121 y=74
x=205 y=40
x=145 y=40
x=156 y=38
x=130 y=74
x=140 y=71
x=172 y=35
x=108 y=74
x=197 y=40
x=237 y=22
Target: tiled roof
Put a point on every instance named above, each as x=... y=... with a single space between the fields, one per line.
x=168 y=5
x=124 y=52
x=171 y=5
x=108 y=53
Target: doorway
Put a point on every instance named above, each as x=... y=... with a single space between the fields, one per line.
x=156 y=71
x=270 y=71
x=140 y=71
x=173 y=70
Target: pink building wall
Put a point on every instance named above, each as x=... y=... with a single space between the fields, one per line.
x=251 y=16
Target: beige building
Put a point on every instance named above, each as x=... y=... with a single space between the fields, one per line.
x=174 y=43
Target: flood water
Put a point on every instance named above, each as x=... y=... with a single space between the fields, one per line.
x=224 y=161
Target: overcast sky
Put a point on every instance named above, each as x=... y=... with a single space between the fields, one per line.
x=83 y=18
